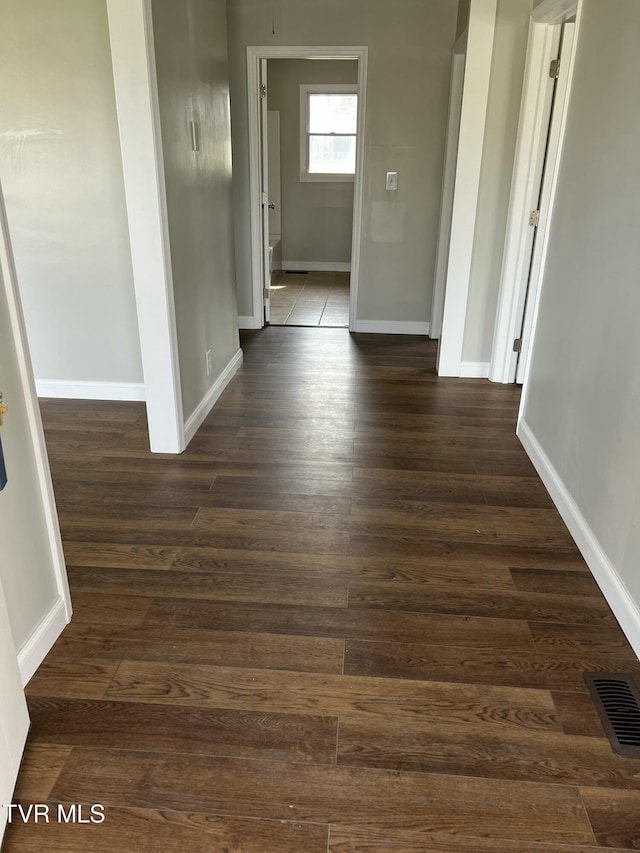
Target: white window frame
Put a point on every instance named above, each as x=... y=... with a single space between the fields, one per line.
x=307 y=89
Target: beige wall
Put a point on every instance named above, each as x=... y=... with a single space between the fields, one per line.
x=501 y=130
x=191 y=56
x=62 y=175
x=410 y=43
x=583 y=404
x=317 y=218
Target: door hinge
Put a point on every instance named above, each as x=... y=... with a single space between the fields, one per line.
x=266 y=294
x=554 y=69
x=263 y=90
x=534 y=218
x=517 y=345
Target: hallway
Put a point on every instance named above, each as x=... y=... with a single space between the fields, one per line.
x=348 y=618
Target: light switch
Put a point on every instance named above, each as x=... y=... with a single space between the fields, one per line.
x=392 y=180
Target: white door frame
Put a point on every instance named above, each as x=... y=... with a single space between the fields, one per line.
x=135 y=80
x=456 y=88
x=31 y=655
x=254 y=55
x=475 y=97
x=532 y=139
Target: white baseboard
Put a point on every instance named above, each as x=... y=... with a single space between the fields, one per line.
x=42 y=638
x=314 y=266
x=249 y=323
x=474 y=369
x=208 y=401
x=625 y=609
x=63 y=389
x=391 y=327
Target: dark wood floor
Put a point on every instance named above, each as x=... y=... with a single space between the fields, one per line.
x=348 y=618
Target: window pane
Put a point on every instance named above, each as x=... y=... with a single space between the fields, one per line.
x=333 y=113
x=332 y=155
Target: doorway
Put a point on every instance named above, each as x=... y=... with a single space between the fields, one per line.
x=311 y=130
x=306 y=124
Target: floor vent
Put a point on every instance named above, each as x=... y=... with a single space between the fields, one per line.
x=617 y=700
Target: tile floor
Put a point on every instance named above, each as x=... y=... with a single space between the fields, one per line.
x=310 y=299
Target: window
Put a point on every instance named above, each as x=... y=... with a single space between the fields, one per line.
x=329 y=123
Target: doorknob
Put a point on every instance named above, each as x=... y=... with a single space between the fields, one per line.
x=272 y=206
x=3 y=409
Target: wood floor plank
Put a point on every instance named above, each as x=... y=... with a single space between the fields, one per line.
x=164 y=640
x=614 y=816
x=310 y=621
x=148 y=831
x=551 y=607
x=330 y=695
x=98 y=553
x=90 y=608
x=358 y=839
x=565 y=609
x=542 y=580
x=606 y=641
x=39 y=770
x=469 y=751
x=327 y=795
x=577 y=714
x=85 y=679
x=279 y=588
x=430 y=570
x=173 y=729
x=479 y=666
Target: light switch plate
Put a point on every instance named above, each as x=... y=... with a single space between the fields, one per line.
x=392 y=180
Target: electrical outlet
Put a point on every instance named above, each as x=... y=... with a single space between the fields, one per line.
x=209 y=359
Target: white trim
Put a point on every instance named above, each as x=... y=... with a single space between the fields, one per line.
x=448 y=186
x=391 y=327
x=533 y=129
x=66 y=390
x=482 y=22
x=254 y=55
x=135 y=81
x=35 y=649
x=620 y=600
x=474 y=369
x=245 y=322
x=315 y=266
x=207 y=403
x=40 y=457
x=320 y=88
x=554 y=11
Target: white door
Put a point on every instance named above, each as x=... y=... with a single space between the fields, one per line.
x=542 y=202
x=264 y=163
x=14 y=718
x=34 y=594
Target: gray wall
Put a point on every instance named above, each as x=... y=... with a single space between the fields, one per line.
x=463 y=16
x=191 y=56
x=501 y=130
x=62 y=175
x=317 y=218
x=584 y=388
x=410 y=43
